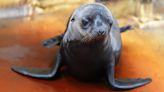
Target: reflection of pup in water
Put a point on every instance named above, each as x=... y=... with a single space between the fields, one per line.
x=90 y=48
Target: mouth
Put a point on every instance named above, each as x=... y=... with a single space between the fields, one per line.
x=91 y=40
x=100 y=37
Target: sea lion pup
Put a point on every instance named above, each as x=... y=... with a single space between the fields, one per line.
x=90 y=48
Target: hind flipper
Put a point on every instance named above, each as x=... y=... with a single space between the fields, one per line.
x=125 y=28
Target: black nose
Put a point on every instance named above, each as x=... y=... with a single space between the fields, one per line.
x=101 y=32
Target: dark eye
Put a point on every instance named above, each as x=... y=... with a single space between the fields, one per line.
x=85 y=23
x=109 y=21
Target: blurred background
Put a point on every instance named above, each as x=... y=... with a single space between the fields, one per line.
x=145 y=12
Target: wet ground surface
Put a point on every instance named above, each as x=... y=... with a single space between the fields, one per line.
x=142 y=56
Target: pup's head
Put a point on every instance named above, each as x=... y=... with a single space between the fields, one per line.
x=91 y=21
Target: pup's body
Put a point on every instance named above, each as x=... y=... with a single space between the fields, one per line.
x=90 y=48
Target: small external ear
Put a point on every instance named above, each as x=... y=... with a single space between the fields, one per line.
x=110 y=24
x=73 y=19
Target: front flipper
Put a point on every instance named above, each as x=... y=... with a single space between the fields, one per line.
x=41 y=73
x=123 y=84
x=53 y=41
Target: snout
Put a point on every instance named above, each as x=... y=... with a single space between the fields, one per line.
x=100 y=26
